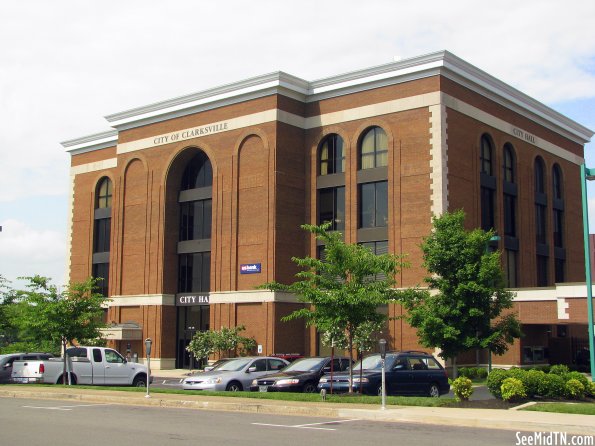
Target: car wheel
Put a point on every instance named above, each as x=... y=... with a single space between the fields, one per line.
x=434 y=391
x=234 y=386
x=309 y=388
x=139 y=381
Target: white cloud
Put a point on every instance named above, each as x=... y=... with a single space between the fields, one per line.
x=32 y=252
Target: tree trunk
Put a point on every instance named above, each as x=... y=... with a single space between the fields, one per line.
x=455 y=370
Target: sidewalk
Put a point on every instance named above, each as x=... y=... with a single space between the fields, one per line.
x=482 y=418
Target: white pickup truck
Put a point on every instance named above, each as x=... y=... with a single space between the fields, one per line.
x=87 y=365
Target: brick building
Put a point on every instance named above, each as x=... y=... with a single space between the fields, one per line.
x=187 y=205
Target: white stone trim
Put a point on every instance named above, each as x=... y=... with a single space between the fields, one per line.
x=95 y=166
x=142 y=299
x=506 y=127
x=256 y=296
x=562 y=306
x=438 y=63
x=438 y=159
x=90 y=143
x=565 y=291
x=186 y=134
x=122 y=334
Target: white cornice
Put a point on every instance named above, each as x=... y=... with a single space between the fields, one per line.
x=438 y=63
x=92 y=142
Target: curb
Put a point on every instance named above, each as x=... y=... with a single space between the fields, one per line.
x=473 y=418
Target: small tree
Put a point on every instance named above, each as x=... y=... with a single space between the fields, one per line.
x=202 y=344
x=345 y=289
x=61 y=317
x=465 y=311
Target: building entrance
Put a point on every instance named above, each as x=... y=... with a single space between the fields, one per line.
x=190 y=319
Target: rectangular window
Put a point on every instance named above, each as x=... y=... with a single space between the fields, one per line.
x=373 y=205
x=101 y=237
x=509 y=215
x=511 y=269
x=331 y=207
x=101 y=271
x=558 y=228
x=560 y=266
x=487 y=209
x=542 y=275
x=194 y=272
x=195 y=220
x=540 y=224
x=378 y=248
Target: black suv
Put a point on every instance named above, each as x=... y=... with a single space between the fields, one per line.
x=301 y=375
x=407 y=373
x=7 y=360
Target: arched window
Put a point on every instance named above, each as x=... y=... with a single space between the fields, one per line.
x=510 y=194
x=542 y=248
x=488 y=184
x=558 y=224
x=194 y=249
x=331 y=158
x=102 y=233
x=373 y=149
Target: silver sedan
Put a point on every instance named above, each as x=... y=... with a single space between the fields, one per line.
x=234 y=375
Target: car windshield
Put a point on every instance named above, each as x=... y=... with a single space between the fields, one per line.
x=305 y=365
x=233 y=365
x=374 y=362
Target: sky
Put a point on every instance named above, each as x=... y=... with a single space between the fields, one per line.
x=64 y=65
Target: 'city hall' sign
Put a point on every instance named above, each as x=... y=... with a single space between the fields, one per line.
x=192 y=299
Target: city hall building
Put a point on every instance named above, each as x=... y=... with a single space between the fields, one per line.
x=186 y=206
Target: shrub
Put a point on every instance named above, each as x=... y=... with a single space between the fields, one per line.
x=531 y=380
x=512 y=389
x=559 y=369
x=551 y=386
x=494 y=381
x=574 y=389
x=579 y=377
x=481 y=373
x=590 y=389
x=462 y=388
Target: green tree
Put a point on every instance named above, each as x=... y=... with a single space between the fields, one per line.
x=464 y=311
x=202 y=344
x=345 y=290
x=61 y=317
x=227 y=340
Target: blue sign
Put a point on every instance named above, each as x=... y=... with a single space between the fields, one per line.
x=250 y=268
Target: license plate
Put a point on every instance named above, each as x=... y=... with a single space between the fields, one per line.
x=263 y=388
x=20 y=380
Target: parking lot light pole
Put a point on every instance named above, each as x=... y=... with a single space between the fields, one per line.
x=382 y=345
x=588 y=175
x=148 y=343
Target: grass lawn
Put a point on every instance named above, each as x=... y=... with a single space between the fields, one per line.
x=576 y=408
x=287 y=396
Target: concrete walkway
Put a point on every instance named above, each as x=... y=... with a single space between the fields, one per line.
x=483 y=418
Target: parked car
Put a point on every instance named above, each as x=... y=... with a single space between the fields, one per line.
x=407 y=373
x=7 y=360
x=300 y=376
x=234 y=375
x=87 y=365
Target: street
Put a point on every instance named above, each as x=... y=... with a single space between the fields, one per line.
x=46 y=422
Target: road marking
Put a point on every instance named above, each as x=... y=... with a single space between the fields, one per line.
x=64 y=407
x=307 y=426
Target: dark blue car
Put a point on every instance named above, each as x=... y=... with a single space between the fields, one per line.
x=407 y=373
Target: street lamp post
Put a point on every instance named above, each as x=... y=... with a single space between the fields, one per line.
x=494 y=238
x=382 y=346
x=148 y=343
x=588 y=174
